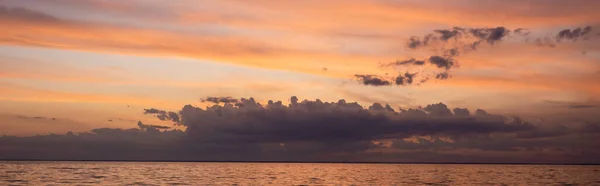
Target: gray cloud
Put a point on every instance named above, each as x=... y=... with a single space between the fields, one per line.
x=317 y=120
x=151 y=127
x=441 y=62
x=163 y=115
x=405 y=79
x=450 y=43
x=372 y=80
x=312 y=131
x=464 y=39
x=411 y=61
x=575 y=34
x=442 y=75
x=217 y=100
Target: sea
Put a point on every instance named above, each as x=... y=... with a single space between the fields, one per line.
x=198 y=173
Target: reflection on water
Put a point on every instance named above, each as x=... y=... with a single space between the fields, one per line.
x=138 y=173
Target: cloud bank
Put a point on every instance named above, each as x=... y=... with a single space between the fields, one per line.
x=319 y=131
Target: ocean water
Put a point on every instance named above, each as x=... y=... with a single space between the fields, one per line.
x=162 y=173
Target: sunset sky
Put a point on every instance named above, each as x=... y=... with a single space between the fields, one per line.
x=79 y=65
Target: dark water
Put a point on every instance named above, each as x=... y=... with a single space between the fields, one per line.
x=138 y=173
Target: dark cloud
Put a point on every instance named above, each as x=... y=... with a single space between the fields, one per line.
x=405 y=79
x=442 y=75
x=450 y=43
x=574 y=34
x=151 y=127
x=442 y=62
x=317 y=120
x=461 y=112
x=312 y=131
x=217 y=100
x=490 y=35
x=435 y=60
x=445 y=63
x=458 y=40
x=372 y=80
x=411 y=61
x=463 y=39
x=163 y=115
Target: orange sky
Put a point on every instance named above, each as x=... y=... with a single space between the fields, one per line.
x=116 y=57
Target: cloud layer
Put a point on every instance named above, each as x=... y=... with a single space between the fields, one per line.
x=316 y=131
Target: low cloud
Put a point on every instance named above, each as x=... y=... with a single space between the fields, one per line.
x=315 y=131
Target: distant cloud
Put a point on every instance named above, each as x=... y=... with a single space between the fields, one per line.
x=573 y=35
x=151 y=127
x=312 y=131
x=35 y=117
x=372 y=80
x=220 y=100
x=451 y=43
x=577 y=33
x=442 y=75
x=463 y=39
x=163 y=115
x=572 y=105
x=405 y=79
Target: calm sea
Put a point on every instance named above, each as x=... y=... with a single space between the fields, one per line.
x=141 y=173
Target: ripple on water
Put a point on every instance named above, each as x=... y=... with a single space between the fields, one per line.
x=290 y=174
x=16 y=181
x=98 y=177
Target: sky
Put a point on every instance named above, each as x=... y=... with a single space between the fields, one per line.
x=358 y=80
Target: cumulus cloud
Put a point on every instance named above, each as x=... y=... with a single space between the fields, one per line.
x=308 y=130
x=317 y=120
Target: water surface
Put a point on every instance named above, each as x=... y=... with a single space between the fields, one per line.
x=163 y=173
